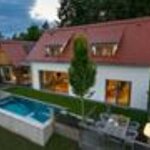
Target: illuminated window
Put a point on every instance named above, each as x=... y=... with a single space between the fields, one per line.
x=54 y=81
x=104 y=49
x=118 y=92
x=53 y=50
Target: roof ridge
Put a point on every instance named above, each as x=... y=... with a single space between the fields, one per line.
x=103 y=24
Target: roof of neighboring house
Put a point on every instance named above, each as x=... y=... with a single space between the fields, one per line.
x=17 y=51
x=132 y=36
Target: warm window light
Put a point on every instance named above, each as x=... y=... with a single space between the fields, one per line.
x=115 y=48
x=94 y=49
x=13 y=77
x=61 y=49
x=47 y=50
x=147 y=130
x=104 y=49
x=54 y=50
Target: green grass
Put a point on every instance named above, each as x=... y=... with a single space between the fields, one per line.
x=73 y=104
x=11 y=141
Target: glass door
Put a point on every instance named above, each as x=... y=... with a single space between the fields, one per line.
x=6 y=74
x=118 y=92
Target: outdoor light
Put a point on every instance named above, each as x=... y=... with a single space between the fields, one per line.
x=13 y=77
x=47 y=50
x=147 y=130
x=115 y=47
x=94 y=49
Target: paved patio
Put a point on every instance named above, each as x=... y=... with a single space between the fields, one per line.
x=94 y=141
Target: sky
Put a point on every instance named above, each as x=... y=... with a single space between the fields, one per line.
x=17 y=15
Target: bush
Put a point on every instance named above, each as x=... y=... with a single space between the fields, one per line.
x=73 y=104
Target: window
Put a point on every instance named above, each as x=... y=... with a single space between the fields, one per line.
x=7 y=73
x=118 y=92
x=54 y=81
x=53 y=50
x=104 y=49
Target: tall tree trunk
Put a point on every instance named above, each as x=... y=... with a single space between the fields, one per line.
x=82 y=109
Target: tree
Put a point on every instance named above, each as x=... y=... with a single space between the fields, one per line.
x=78 y=12
x=32 y=33
x=82 y=71
x=1 y=35
x=66 y=12
x=14 y=36
x=45 y=25
x=124 y=9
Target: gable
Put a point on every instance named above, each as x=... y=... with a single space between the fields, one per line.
x=4 y=58
x=13 y=51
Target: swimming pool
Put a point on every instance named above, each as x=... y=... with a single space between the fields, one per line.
x=27 y=117
x=27 y=108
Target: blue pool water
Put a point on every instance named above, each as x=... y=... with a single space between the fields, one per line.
x=27 y=108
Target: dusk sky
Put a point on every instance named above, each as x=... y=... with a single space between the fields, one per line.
x=17 y=15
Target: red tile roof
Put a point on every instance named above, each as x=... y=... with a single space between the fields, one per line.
x=17 y=51
x=132 y=36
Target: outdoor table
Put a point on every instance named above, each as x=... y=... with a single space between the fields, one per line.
x=117 y=126
x=114 y=129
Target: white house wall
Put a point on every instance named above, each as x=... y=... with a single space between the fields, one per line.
x=36 y=67
x=139 y=78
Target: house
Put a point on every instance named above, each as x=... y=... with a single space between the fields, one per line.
x=13 y=69
x=121 y=50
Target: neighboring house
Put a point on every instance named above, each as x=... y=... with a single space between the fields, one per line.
x=13 y=69
x=121 y=50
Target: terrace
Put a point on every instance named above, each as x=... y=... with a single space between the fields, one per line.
x=93 y=109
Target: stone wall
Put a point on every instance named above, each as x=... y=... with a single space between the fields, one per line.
x=67 y=131
x=26 y=127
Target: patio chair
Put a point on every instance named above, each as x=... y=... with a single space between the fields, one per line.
x=130 y=138
x=133 y=125
x=131 y=135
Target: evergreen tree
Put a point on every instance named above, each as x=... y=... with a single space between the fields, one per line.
x=32 y=33
x=1 y=35
x=82 y=71
x=45 y=25
x=78 y=12
x=14 y=36
x=66 y=12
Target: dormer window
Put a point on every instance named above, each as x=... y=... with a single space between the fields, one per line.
x=53 y=50
x=94 y=49
x=104 y=49
x=47 y=50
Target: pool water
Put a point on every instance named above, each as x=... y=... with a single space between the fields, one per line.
x=16 y=107
x=27 y=108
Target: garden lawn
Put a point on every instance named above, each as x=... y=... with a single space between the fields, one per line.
x=73 y=104
x=11 y=141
